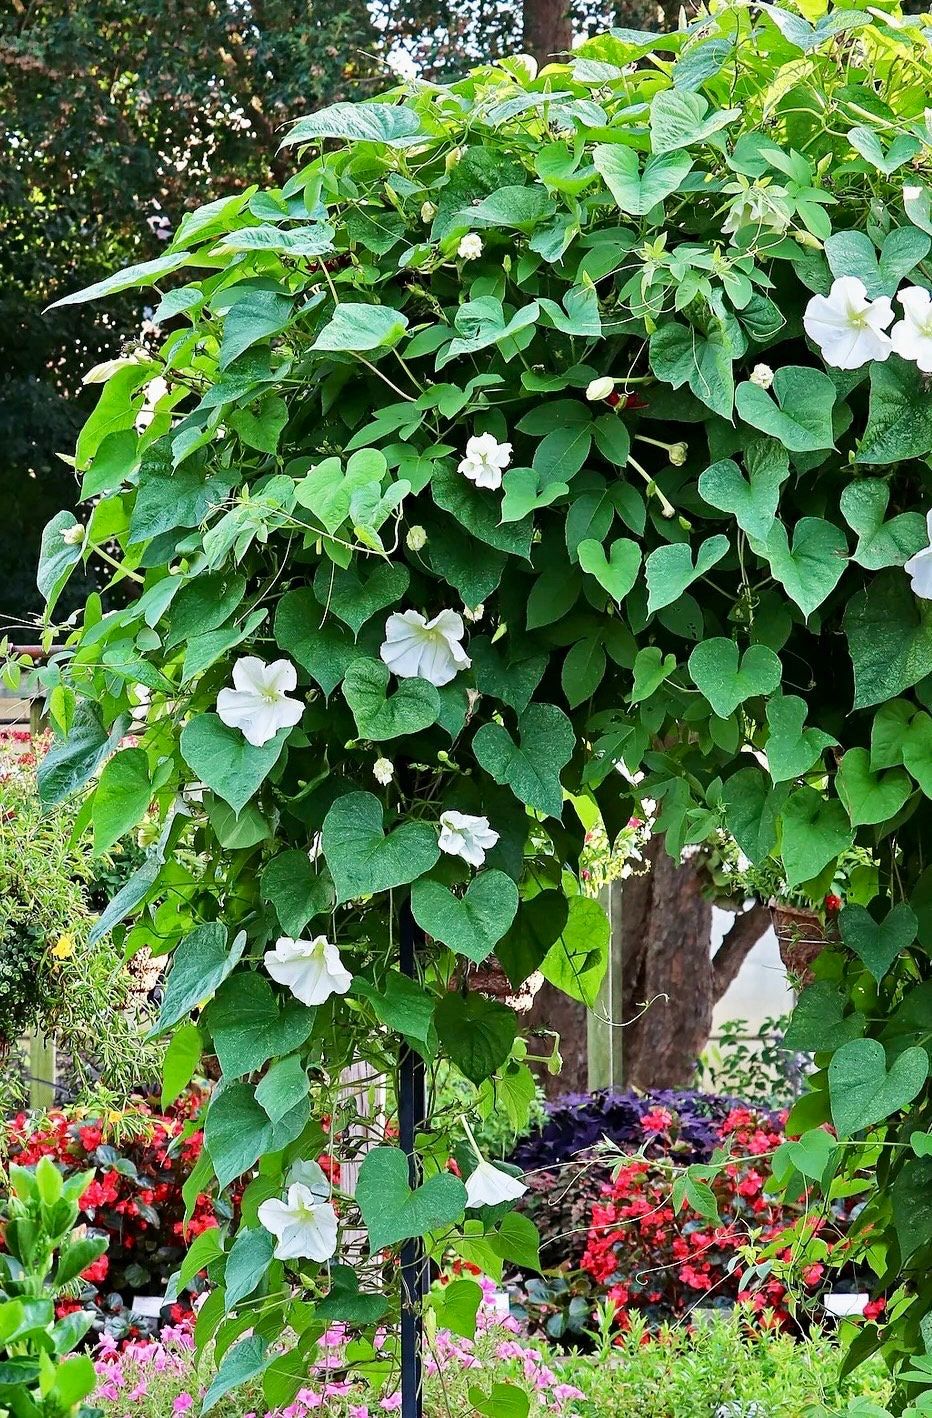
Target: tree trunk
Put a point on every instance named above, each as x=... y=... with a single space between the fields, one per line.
x=567 y=1017
x=548 y=29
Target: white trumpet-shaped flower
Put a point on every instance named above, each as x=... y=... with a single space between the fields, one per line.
x=487 y=1185
x=257 y=704
x=311 y=969
x=911 y=337
x=847 y=327
x=462 y=835
x=417 y=648
x=919 y=567
x=486 y=460
x=304 y=1226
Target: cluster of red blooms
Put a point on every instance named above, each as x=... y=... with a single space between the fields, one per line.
x=649 y=1257
x=135 y=1197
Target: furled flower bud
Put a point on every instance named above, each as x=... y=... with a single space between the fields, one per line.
x=599 y=389
x=73 y=536
x=805 y=238
x=383 y=770
x=470 y=248
x=416 y=539
x=428 y=212
x=678 y=453
x=762 y=376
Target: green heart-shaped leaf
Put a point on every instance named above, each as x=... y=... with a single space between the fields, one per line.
x=791 y=749
x=752 y=501
x=670 y=570
x=354 y=599
x=199 y=965
x=889 y=639
x=915 y=745
x=480 y=514
x=725 y=682
x=296 y=890
x=814 y=831
x=870 y=797
x=899 y=424
x=577 y=960
x=476 y=1033
x=798 y=414
x=752 y=810
x=531 y=768
x=472 y=924
x=362 y=859
x=615 y=573
x=878 y=943
x=232 y=768
x=325 y=650
x=392 y=1211
x=810 y=569
x=414 y=705
x=527 y=489
x=864 y=506
x=511 y=680
x=248 y=1027
x=539 y=922
x=863 y=1091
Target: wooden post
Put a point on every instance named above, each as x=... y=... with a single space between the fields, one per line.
x=41 y=1072
x=604 y=1034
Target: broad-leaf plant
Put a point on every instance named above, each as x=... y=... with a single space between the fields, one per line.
x=549 y=441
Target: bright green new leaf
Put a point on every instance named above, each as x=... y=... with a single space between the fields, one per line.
x=577 y=960
x=637 y=192
x=361 y=327
x=615 y=573
x=393 y=124
x=122 y=796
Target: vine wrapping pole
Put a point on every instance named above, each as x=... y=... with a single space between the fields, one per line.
x=414 y=1270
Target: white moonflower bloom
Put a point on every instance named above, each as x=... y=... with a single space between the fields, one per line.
x=257 y=704
x=417 y=648
x=304 y=1226
x=847 y=327
x=311 y=969
x=485 y=461
x=919 y=567
x=911 y=337
x=462 y=835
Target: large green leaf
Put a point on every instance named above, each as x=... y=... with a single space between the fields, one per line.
x=249 y=1027
x=389 y=123
x=362 y=858
x=810 y=568
x=878 y=943
x=361 y=327
x=889 y=639
x=471 y=924
x=870 y=797
x=899 y=424
x=354 y=599
x=72 y=761
x=475 y=1032
x=726 y=682
x=678 y=119
x=392 y=1210
x=577 y=960
x=864 y=1091
x=532 y=766
x=670 y=570
x=792 y=749
x=414 y=705
x=752 y=501
x=681 y=354
x=863 y=506
x=220 y=756
x=636 y=192
x=798 y=415
x=199 y=965
x=122 y=796
x=296 y=890
x=814 y=832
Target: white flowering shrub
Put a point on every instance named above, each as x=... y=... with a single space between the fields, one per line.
x=541 y=426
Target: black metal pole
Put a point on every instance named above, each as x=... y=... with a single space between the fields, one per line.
x=414 y=1271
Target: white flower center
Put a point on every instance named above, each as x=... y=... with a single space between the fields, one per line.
x=270 y=695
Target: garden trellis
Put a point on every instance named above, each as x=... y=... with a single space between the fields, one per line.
x=542 y=426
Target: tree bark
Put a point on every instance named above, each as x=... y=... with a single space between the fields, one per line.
x=548 y=29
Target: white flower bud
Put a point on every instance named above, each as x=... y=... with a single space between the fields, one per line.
x=416 y=539
x=470 y=248
x=762 y=376
x=428 y=212
x=73 y=536
x=383 y=770
x=678 y=453
x=599 y=389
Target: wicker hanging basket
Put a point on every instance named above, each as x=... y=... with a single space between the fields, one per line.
x=802 y=936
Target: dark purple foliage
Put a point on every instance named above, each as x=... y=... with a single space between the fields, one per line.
x=577 y=1121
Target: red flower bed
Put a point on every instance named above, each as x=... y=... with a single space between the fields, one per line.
x=645 y=1255
x=141 y=1162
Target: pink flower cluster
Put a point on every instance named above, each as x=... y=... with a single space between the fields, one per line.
x=125 y=1373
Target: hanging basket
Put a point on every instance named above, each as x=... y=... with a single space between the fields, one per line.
x=490 y=980
x=801 y=936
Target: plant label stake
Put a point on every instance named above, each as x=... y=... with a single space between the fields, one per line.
x=414 y=1270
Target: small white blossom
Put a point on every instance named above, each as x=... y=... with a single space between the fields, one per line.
x=488 y=1185
x=73 y=536
x=470 y=248
x=417 y=648
x=678 y=453
x=416 y=539
x=598 y=389
x=911 y=337
x=919 y=567
x=474 y=613
x=847 y=327
x=428 y=212
x=762 y=376
x=754 y=208
x=383 y=770
x=462 y=835
x=311 y=969
x=257 y=704
x=304 y=1226
x=485 y=461
x=155 y=390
